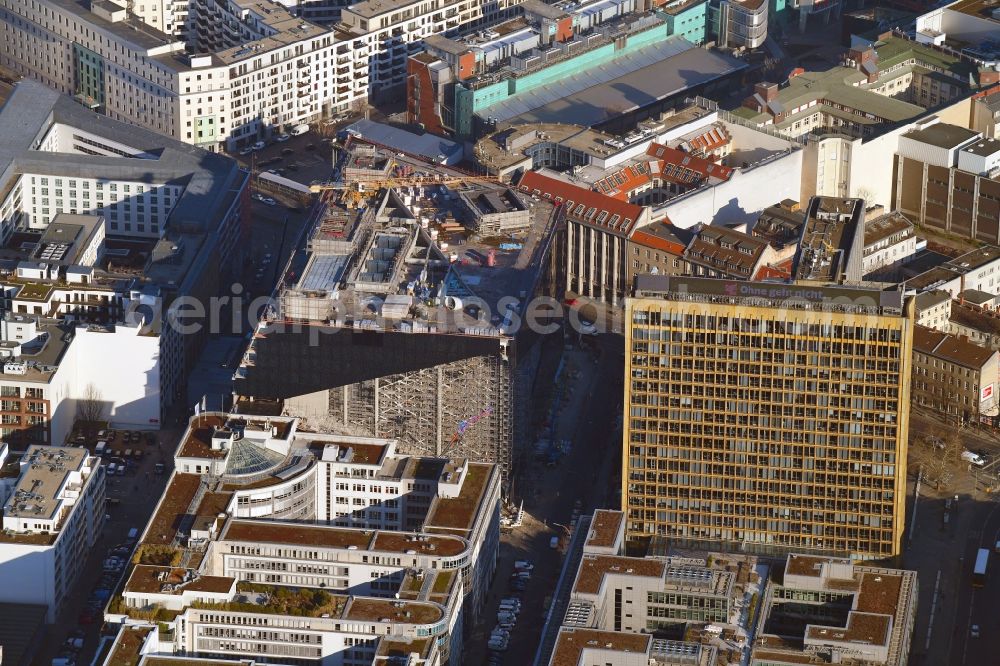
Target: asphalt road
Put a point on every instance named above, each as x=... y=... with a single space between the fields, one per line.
x=588 y=473
x=942 y=551
x=138 y=492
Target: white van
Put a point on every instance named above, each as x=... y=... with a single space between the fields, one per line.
x=101 y=448
x=299 y=129
x=973 y=458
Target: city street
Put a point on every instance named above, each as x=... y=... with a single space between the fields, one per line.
x=588 y=472
x=943 y=550
x=137 y=493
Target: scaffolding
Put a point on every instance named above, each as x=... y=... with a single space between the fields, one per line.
x=458 y=409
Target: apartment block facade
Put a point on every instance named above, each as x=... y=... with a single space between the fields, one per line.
x=767 y=417
x=53 y=512
x=955 y=377
x=222 y=74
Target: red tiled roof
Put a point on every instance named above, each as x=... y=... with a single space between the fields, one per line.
x=986 y=93
x=780 y=271
x=687 y=168
x=715 y=137
x=623 y=182
x=658 y=242
x=583 y=205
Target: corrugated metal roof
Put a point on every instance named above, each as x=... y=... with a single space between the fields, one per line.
x=599 y=93
x=430 y=146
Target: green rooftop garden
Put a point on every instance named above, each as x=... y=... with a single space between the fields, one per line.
x=301 y=602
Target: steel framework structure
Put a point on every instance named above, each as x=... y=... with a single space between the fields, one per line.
x=458 y=409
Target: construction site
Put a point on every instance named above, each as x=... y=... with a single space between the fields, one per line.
x=401 y=316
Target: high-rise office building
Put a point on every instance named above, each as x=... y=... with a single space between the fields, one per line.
x=767 y=417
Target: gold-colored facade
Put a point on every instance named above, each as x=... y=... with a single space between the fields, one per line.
x=767 y=417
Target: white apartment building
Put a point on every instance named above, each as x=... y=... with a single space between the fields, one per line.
x=47 y=367
x=618 y=603
x=113 y=220
x=343 y=481
x=934 y=310
x=384 y=34
x=53 y=510
x=221 y=73
x=890 y=240
x=372 y=587
x=976 y=269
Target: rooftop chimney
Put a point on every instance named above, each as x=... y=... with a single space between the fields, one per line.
x=767 y=91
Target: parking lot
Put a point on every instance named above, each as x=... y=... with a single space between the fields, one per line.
x=131 y=498
x=304 y=158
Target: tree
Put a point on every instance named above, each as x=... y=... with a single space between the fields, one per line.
x=942 y=451
x=866 y=193
x=90 y=408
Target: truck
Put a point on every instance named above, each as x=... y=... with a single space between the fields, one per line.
x=979 y=572
x=299 y=129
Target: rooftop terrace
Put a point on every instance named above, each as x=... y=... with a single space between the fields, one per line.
x=604 y=528
x=173 y=507
x=593 y=569
x=370 y=609
x=460 y=512
x=42 y=489
x=127 y=645
x=335 y=537
x=171 y=580
x=572 y=642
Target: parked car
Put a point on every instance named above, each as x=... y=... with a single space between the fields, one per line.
x=973 y=458
x=259 y=145
x=268 y=201
x=281 y=138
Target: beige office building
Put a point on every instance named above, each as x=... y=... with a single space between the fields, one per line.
x=766 y=417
